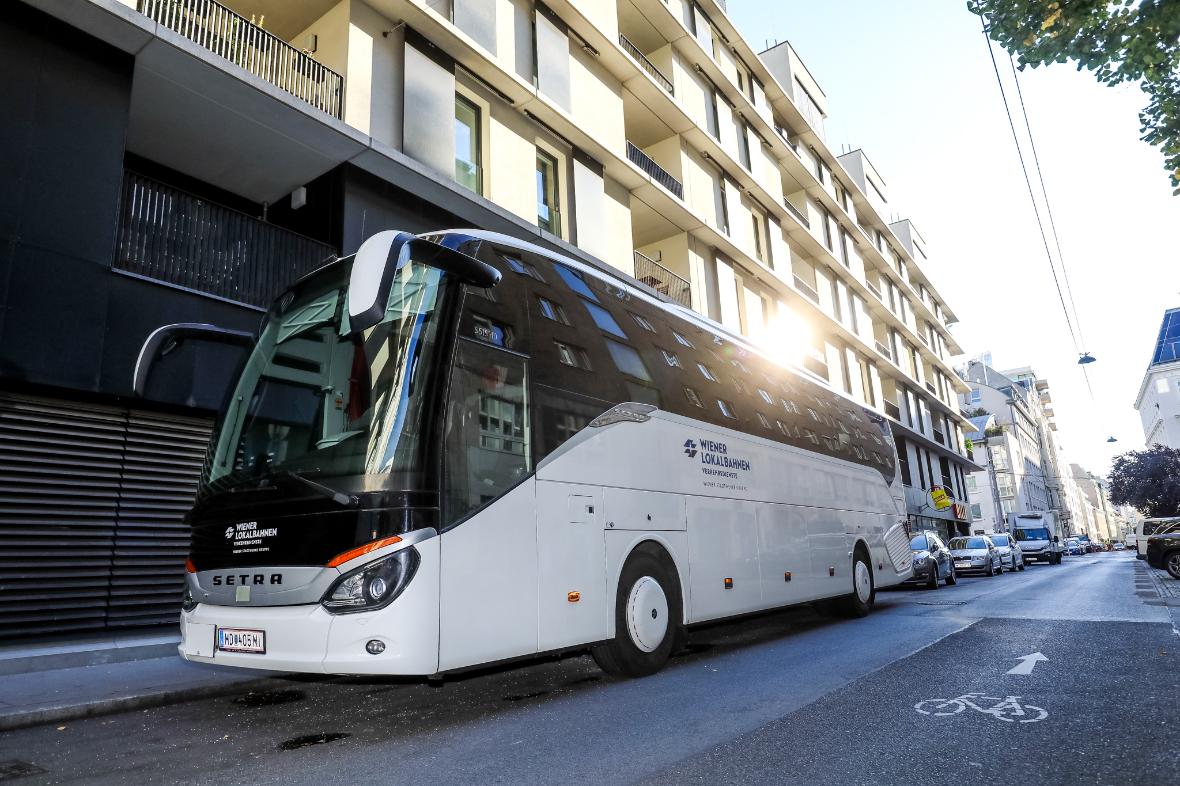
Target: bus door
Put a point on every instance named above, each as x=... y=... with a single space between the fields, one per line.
x=488 y=587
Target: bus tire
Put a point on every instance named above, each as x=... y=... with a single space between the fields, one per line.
x=864 y=587
x=648 y=615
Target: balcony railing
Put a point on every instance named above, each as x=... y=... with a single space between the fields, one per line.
x=170 y=235
x=893 y=411
x=883 y=350
x=232 y=36
x=807 y=289
x=646 y=64
x=662 y=280
x=796 y=212
x=654 y=170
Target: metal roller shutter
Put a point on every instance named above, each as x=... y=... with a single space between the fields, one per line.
x=92 y=500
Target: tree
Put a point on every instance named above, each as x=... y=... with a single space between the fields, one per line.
x=1147 y=480
x=978 y=412
x=1127 y=41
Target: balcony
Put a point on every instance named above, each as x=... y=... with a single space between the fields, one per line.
x=654 y=170
x=646 y=64
x=229 y=35
x=798 y=214
x=169 y=235
x=662 y=280
x=807 y=290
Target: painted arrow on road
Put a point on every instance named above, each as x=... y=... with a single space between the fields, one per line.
x=1027 y=663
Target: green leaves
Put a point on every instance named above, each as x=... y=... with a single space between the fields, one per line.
x=1147 y=480
x=1132 y=41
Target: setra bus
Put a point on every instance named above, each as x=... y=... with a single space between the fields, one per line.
x=460 y=448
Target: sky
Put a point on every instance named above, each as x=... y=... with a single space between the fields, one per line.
x=910 y=82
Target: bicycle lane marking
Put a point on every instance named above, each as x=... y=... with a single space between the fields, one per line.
x=1008 y=709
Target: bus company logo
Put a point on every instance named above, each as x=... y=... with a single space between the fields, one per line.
x=715 y=454
x=229 y=532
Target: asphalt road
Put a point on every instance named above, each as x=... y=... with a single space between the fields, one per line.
x=790 y=697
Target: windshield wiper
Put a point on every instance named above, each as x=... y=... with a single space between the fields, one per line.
x=340 y=498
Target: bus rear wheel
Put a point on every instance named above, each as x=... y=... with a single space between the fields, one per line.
x=648 y=614
x=864 y=590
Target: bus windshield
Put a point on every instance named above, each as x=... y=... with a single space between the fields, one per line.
x=317 y=398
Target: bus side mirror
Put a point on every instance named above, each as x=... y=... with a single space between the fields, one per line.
x=166 y=338
x=382 y=255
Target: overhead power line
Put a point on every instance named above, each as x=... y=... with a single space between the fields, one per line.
x=1048 y=209
x=1031 y=194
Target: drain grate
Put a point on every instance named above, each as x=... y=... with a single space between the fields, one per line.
x=523 y=696
x=312 y=739
x=1147 y=594
x=941 y=602
x=15 y=768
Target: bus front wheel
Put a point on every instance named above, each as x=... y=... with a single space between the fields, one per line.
x=648 y=615
x=864 y=590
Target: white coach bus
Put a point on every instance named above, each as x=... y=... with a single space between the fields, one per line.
x=460 y=448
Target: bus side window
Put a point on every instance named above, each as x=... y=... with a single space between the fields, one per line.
x=487 y=431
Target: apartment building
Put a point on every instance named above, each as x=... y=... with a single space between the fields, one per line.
x=1104 y=522
x=183 y=160
x=1158 y=401
x=1027 y=467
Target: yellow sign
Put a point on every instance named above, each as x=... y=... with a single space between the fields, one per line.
x=940 y=498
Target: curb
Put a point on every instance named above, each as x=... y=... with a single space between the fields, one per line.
x=72 y=712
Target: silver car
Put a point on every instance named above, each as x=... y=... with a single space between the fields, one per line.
x=1011 y=557
x=976 y=554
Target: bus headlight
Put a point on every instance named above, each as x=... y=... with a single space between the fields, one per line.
x=373 y=586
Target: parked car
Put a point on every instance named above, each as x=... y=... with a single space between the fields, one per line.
x=1010 y=554
x=1073 y=546
x=1163 y=552
x=1120 y=546
x=932 y=560
x=976 y=554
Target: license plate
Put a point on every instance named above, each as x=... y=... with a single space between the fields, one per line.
x=241 y=640
x=962 y=564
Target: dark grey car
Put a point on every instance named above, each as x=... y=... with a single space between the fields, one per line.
x=932 y=560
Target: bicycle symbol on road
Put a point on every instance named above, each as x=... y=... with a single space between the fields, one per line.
x=1007 y=709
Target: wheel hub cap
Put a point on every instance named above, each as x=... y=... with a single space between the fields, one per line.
x=863 y=581
x=647 y=614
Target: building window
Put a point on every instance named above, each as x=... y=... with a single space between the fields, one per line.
x=744 y=145
x=572 y=356
x=603 y=319
x=769 y=399
x=976 y=513
x=694 y=398
x=548 y=212
x=681 y=339
x=628 y=360
x=762 y=419
x=467 y=145
x=553 y=311
x=706 y=372
x=671 y=359
x=726 y=408
x=644 y=323
x=827 y=219
x=574 y=281
x=903 y=462
x=523 y=268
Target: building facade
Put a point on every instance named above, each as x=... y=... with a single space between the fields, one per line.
x=1158 y=401
x=231 y=146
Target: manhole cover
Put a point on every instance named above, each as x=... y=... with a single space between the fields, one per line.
x=15 y=768
x=312 y=739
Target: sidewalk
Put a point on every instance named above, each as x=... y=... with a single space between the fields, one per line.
x=66 y=694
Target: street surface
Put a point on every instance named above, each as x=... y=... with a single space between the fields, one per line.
x=919 y=692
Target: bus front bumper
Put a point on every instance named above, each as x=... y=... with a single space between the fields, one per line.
x=307 y=638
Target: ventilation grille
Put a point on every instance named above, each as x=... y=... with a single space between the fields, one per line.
x=92 y=501
x=897 y=543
